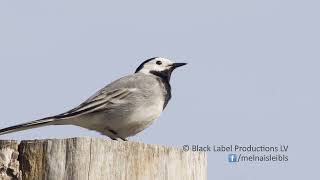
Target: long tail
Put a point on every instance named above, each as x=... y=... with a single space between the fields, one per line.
x=28 y=125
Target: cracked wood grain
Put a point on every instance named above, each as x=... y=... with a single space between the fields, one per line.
x=9 y=164
x=98 y=159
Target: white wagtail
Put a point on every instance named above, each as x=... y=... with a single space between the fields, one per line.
x=121 y=109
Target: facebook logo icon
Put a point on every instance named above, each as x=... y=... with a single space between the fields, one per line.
x=232 y=158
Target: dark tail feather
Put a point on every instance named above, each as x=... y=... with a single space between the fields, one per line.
x=28 y=125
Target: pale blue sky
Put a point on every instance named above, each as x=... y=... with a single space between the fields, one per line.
x=252 y=78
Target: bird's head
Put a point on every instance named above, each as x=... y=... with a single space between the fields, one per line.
x=158 y=66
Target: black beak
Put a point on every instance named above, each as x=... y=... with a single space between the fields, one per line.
x=176 y=65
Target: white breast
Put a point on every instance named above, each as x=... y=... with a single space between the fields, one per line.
x=141 y=119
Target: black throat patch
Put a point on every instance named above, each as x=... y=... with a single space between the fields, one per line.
x=164 y=77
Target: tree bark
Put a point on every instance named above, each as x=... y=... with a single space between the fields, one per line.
x=97 y=159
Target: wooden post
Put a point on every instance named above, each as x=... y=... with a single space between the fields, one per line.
x=97 y=159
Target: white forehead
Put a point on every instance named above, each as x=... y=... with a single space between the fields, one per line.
x=153 y=65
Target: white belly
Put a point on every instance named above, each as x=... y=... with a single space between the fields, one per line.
x=140 y=119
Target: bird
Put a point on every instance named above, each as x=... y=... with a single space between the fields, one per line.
x=121 y=109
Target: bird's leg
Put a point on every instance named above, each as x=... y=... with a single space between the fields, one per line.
x=123 y=139
x=115 y=135
x=115 y=139
x=110 y=133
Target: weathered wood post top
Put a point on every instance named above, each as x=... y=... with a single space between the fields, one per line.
x=97 y=159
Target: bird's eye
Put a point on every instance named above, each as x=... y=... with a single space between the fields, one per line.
x=159 y=62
